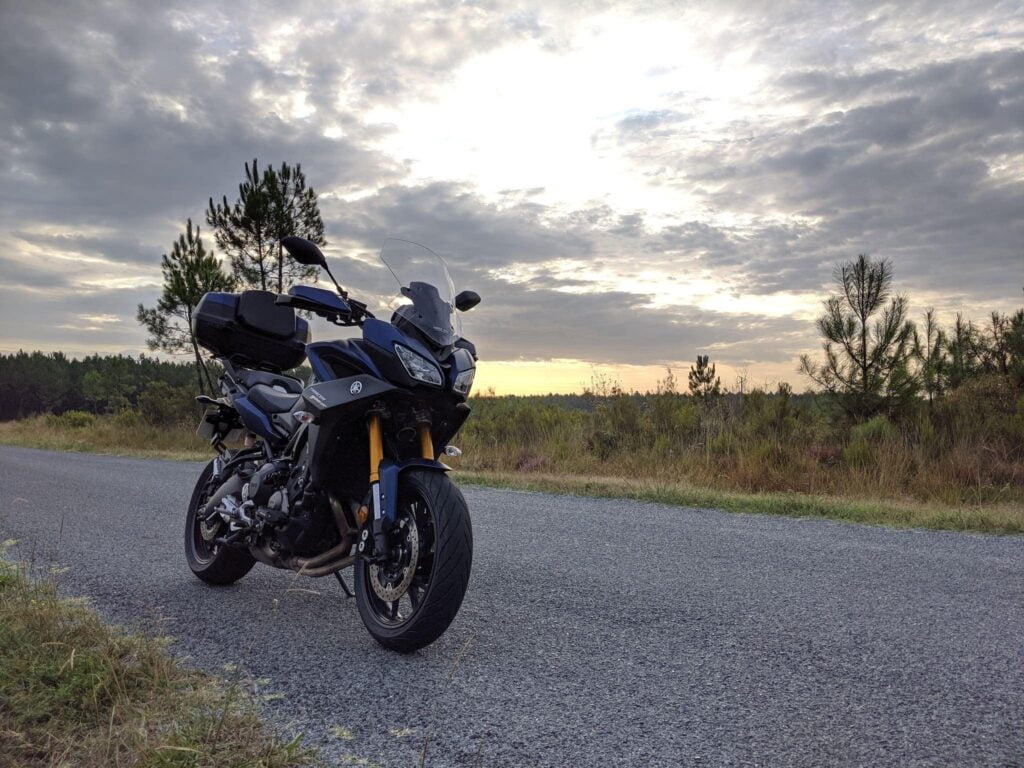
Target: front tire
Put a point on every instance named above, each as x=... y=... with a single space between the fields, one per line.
x=213 y=564
x=435 y=583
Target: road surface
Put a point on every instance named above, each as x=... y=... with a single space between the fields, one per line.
x=595 y=632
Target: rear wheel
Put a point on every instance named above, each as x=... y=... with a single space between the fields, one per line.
x=409 y=602
x=213 y=563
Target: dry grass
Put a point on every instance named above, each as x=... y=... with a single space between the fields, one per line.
x=75 y=692
x=989 y=518
x=882 y=478
x=746 y=453
x=121 y=435
x=894 y=472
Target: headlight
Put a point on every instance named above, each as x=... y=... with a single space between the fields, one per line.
x=418 y=366
x=464 y=381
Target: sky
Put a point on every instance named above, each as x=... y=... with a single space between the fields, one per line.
x=626 y=185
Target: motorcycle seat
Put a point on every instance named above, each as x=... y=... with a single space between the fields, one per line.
x=248 y=378
x=270 y=400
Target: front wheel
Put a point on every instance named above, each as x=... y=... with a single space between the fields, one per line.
x=408 y=602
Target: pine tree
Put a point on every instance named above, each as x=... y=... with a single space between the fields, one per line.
x=189 y=272
x=245 y=231
x=269 y=207
x=702 y=380
x=1015 y=349
x=930 y=352
x=294 y=211
x=965 y=348
x=867 y=341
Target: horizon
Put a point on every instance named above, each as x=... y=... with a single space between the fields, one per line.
x=626 y=186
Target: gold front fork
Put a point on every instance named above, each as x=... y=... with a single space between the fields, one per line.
x=376 y=447
x=376 y=455
x=426 y=441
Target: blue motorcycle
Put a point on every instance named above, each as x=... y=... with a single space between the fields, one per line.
x=342 y=471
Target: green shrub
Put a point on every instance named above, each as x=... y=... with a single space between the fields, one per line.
x=865 y=438
x=70 y=420
x=162 y=405
x=127 y=419
x=603 y=443
x=986 y=410
x=724 y=444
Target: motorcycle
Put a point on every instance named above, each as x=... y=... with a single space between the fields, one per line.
x=343 y=471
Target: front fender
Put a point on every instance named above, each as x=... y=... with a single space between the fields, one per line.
x=390 y=471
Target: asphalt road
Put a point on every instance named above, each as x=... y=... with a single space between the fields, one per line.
x=595 y=632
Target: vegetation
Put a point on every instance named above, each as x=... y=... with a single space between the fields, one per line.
x=990 y=518
x=74 y=691
x=189 y=272
x=702 y=380
x=928 y=421
x=269 y=207
x=956 y=464
x=35 y=382
x=966 y=452
x=867 y=342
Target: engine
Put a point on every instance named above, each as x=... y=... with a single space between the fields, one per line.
x=270 y=508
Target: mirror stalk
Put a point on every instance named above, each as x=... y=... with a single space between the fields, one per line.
x=341 y=291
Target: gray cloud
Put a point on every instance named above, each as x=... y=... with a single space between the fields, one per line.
x=904 y=138
x=902 y=163
x=544 y=315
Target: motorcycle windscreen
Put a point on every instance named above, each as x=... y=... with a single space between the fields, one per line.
x=428 y=294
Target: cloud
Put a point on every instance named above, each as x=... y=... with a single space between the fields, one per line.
x=921 y=165
x=621 y=184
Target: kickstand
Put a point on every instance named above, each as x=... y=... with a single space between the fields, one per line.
x=338 y=576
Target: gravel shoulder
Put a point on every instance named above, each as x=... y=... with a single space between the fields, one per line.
x=595 y=631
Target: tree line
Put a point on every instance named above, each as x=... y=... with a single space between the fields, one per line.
x=38 y=382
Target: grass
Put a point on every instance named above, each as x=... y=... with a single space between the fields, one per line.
x=76 y=692
x=121 y=435
x=882 y=492
x=995 y=518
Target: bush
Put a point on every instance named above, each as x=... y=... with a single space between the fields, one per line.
x=987 y=410
x=162 y=405
x=866 y=438
x=70 y=420
x=603 y=443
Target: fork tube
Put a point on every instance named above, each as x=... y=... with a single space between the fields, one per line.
x=426 y=441
x=376 y=456
x=376 y=447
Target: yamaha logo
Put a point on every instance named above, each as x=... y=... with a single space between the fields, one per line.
x=356 y=388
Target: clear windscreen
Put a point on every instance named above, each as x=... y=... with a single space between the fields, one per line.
x=427 y=298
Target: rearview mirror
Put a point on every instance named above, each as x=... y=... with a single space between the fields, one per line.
x=466 y=300
x=303 y=251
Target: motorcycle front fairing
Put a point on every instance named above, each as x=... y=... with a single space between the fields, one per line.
x=357 y=378
x=339 y=456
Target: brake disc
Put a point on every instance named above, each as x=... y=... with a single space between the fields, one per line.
x=390 y=583
x=209 y=531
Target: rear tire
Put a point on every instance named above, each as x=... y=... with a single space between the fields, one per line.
x=213 y=564
x=445 y=541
